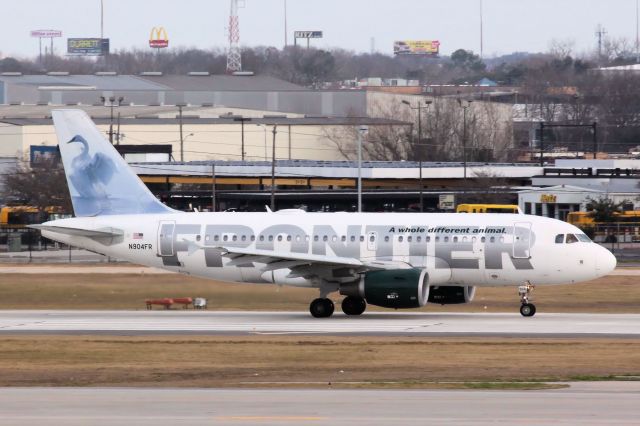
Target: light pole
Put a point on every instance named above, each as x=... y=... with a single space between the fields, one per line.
x=242 y=120
x=361 y=131
x=419 y=145
x=264 y=127
x=273 y=169
x=464 y=136
x=112 y=100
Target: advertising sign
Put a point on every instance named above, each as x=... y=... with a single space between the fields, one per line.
x=447 y=202
x=43 y=154
x=158 y=38
x=88 y=46
x=307 y=34
x=416 y=47
x=46 y=33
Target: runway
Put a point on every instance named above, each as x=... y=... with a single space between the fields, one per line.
x=583 y=403
x=283 y=323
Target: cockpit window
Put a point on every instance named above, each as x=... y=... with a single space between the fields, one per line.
x=559 y=238
x=571 y=239
x=583 y=238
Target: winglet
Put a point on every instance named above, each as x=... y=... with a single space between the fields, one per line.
x=100 y=181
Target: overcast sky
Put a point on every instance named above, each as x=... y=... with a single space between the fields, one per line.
x=509 y=25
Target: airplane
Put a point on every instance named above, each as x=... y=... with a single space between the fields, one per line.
x=391 y=260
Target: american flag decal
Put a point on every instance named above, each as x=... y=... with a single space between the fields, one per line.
x=137 y=235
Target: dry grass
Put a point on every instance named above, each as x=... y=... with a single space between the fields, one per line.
x=618 y=294
x=214 y=361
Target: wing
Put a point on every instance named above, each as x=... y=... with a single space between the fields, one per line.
x=304 y=265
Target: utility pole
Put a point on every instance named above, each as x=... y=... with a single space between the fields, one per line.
x=600 y=33
x=101 y=20
x=213 y=186
x=361 y=131
x=418 y=148
x=181 y=135
x=286 y=30
x=481 y=33
x=118 y=131
x=273 y=169
x=542 y=144
x=465 y=107
x=112 y=100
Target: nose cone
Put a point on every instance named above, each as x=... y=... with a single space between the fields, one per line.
x=605 y=261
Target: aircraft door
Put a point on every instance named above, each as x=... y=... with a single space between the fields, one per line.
x=372 y=241
x=521 y=248
x=165 y=237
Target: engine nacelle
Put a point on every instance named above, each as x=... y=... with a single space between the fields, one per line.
x=452 y=295
x=397 y=289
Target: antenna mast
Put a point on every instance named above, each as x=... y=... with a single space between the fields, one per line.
x=233 y=55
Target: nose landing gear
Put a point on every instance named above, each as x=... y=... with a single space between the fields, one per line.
x=527 y=309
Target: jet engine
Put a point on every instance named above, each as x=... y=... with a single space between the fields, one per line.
x=398 y=288
x=451 y=295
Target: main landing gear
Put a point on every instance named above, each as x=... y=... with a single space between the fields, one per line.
x=526 y=309
x=323 y=307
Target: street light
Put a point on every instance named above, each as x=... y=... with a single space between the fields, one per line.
x=419 y=144
x=112 y=100
x=361 y=131
x=264 y=127
x=464 y=136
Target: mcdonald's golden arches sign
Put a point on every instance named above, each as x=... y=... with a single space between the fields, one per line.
x=158 y=38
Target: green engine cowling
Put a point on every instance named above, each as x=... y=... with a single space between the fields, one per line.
x=397 y=289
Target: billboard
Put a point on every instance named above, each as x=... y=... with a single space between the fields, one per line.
x=158 y=38
x=416 y=47
x=46 y=33
x=307 y=34
x=87 y=46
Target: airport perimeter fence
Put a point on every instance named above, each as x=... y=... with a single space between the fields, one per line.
x=19 y=243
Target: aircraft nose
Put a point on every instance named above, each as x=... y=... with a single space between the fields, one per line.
x=605 y=261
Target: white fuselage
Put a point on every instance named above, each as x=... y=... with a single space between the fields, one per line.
x=456 y=249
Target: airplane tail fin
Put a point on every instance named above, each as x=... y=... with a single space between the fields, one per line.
x=100 y=181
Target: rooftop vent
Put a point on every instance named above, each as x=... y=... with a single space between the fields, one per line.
x=151 y=73
x=199 y=73
x=58 y=73
x=11 y=74
x=106 y=73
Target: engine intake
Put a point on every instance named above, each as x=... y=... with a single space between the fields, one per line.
x=398 y=288
x=451 y=295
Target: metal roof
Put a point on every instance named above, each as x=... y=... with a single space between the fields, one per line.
x=157 y=83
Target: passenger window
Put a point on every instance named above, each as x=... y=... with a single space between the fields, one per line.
x=492 y=239
x=418 y=238
x=224 y=238
x=244 y=238
x=437 y=239
x=386 y=239
x=198 y=237
x=234 y=238
x=446 y=239
x=279 y=237
x=297 y=237
x=483 y=239
x=353 y=238
x=253 y=238
x=206 y=237
x=455 y=239
x=571 y=239
x=361 y=238
x=559 y=238
x=270 y=237
x=261 y=237
x=334 y=238
x=372 y=238
x=428 y=239
x=288 y=237
x=344 y=238
x=400 y=238
x=315 y=238
x=409 y=238
x=325 y=238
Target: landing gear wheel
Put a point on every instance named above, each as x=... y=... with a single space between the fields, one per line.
x=528 y=309
x=321 y=308
x=352 y=305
